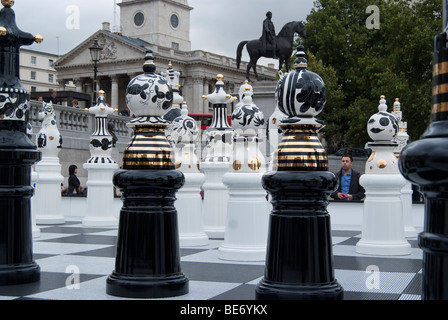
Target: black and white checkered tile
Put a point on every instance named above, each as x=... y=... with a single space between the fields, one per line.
x=76 y=260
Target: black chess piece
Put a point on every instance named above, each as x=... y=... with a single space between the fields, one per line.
x=17 y=154
x=424 y=163
x=147 y=263
x=299 y=260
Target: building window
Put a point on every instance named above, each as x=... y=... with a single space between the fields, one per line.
x=33 y=75
x=175 y=46
x=33 y=89
x=33 y=60
x=139 y=19
x=174 y=20
x=50 y=62
x=51 y=78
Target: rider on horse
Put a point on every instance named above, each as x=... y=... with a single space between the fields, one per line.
x=269 y=37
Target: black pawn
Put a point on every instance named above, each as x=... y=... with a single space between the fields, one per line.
x=147 y=263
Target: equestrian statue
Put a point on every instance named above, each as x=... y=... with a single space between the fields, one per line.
x=271 y=45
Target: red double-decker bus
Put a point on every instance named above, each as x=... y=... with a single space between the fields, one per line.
x=205 y=120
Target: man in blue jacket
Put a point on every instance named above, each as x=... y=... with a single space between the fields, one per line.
x=349 y=187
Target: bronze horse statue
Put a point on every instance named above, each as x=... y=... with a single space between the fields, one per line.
x=285 y=39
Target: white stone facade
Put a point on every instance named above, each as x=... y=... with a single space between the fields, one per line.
x=123 y=52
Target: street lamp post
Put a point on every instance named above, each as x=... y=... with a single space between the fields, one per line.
x=95 y=51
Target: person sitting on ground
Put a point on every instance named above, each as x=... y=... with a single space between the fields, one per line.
x=349 y=187
x=73 y=181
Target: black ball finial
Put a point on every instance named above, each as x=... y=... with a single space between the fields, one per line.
x=149 y=66
x=301 y=62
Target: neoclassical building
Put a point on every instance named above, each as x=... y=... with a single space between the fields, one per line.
x=162 y=26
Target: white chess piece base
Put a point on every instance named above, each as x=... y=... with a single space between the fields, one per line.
x=100 y=195
x=189 y=212
x=47 y=197
x=383 y=224
x=247 y=218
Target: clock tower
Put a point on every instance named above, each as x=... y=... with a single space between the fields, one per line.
x=164 y=23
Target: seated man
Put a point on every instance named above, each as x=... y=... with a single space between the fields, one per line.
x=349 y=187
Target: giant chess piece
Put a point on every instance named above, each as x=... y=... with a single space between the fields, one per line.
x=173 y=77
x=17 y=155
x=100 y=167
x=218 y=153
x=299 y=259
x=247 y=209
x=48 y=202
x=423 y=162
x=383 y=222
x=147 y=263
x=401 y=139
x=184 y=133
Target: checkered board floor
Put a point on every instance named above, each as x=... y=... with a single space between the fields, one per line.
x=62 y=250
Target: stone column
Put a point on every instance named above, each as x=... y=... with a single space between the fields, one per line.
x=78 y=85
x=198 y=91
x=114 y=92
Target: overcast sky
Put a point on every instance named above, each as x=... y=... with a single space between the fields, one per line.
x=216 y=26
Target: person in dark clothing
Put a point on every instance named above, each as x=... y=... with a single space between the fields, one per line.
x=73 y=181
x=53 y=98
x=349 y=187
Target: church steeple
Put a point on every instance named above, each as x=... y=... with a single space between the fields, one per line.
x=164 y=23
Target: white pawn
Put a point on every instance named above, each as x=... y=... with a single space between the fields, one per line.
x=47 y=202
x=402 y=139
x=247 y=209
x=183 y=134
x=383 y=223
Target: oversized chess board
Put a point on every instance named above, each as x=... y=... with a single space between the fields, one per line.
x=71 y=252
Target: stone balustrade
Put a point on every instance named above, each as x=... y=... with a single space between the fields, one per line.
x=76 y=126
